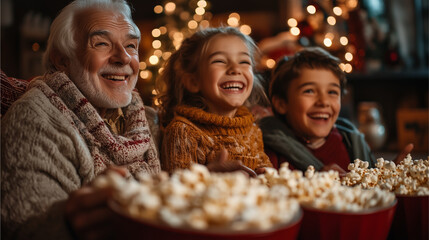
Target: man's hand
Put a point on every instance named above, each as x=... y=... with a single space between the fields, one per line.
x=223 y=164
x=88 y=214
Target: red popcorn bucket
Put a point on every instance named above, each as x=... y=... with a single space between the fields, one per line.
x=130 y=227
x=411 y=220
x=330 y=225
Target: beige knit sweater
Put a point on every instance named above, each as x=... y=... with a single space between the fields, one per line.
x=44 y=159
x=195 y=136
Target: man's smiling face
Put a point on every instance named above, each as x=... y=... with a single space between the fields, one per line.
x=106 y=66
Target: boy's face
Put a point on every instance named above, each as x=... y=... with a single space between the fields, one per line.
x=226 y=75
x=313 y=103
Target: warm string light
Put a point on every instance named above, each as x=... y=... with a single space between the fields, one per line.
x=170 y=7
x=327 y=42
x=245 y=29
x=192 y=24
x=197 y=17
x=348 y=56
x=270 y=63
x=346 y=67
x=145 y=74
x=292 y=22
x=337 y=11
x=331 y=20
x=311 y=9
x=156 y=32
x=200 y=10
x=156 y=44
x=142 y=65
x=352 y=4
x=330 y=40
x=202 y=3
x=158 y=9
x=234 y=21
x=153 y=60
x=295 y=31
x=344 y=41
x=182 y=19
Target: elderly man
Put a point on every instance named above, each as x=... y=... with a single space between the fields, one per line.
x=73 y=123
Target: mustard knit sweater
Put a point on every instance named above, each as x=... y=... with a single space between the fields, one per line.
x=195 y=136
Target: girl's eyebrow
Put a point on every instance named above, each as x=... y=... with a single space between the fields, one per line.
x=224 y=53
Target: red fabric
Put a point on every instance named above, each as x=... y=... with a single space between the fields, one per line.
x=333 y=151
x=277 y=159
x=11 y=90
x=273 y=158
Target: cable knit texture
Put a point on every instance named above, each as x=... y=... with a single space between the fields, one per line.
x=196 y=136
x=135 y=149
x=53 y=142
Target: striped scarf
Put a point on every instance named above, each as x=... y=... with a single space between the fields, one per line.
x=134 y=149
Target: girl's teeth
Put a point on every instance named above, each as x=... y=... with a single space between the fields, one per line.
x=232 y=85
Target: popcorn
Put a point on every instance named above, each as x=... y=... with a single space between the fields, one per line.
x=195 y=198
x=323 y=190
x=409 y=177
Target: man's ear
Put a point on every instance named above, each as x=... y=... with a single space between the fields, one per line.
x=191 y=83
x=60 y=62
x=279 y=104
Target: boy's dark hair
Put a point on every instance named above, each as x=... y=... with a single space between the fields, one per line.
x=289 y=68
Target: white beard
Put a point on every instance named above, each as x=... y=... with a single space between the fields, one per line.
x=91 y=90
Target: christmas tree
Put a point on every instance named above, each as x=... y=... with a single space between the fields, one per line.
x=333 y=25
x=177 y=20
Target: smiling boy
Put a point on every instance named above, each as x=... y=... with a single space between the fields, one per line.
x=305 y=92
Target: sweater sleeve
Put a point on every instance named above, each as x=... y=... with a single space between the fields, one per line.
x=264 y=159
x=43 y=160
x=179 y=146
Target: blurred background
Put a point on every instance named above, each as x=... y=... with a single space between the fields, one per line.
x=383 y=46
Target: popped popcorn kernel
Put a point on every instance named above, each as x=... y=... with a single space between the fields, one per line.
x=323 y=190
x=196 y=198
x=409 y=177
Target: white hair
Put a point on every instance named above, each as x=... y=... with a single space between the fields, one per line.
x=61 y=38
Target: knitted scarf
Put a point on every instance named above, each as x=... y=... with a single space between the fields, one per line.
x=279 y=138
x=195 y=135
x=135 y=149
x=217 y=124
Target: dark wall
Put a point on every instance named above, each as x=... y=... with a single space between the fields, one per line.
x=392 y=91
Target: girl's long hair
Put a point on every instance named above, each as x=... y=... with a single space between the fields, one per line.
x=185 y=62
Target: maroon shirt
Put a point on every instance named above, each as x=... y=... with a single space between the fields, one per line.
x=332 y=151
